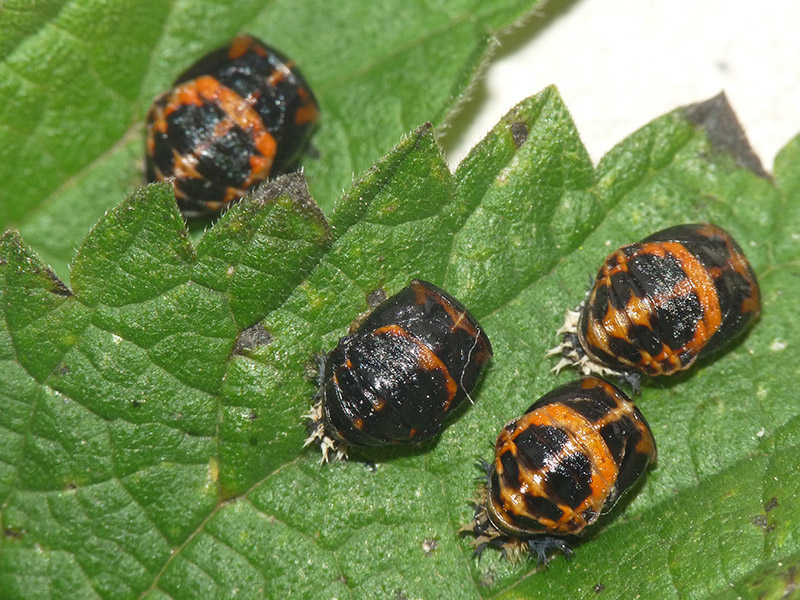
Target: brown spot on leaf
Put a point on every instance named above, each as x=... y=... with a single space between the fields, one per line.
x=59 y=289
x=251 y=338
x=429 y=546
x=14 y=533
x=293 y=185
x=374 y=298
x=519 y=132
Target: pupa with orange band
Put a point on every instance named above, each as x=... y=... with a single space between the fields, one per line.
x=658 y=305
x=557 y=467
x=398 y=374
x=240 y=114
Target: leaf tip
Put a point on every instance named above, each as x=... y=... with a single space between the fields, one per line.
x=13 y=249
x=291 y=191
x=11 y=236
x=724 y=131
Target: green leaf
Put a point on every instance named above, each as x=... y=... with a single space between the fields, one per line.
x=111 y=391
x=77 y=77
x=151 y=428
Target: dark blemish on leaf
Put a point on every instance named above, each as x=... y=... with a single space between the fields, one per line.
x=3 y=261
x=400 y=595
x=421 y=132
x=724 y=131
x=760 y=521
x=61 y=291
x=14 y=533
x=375 y=297
x=59 y=287
x=70 y=486
x=63 y=369
x=253 y=441
x=371 y=466
x=251 y=338
x=429 y=546
x=519 y=132
x=252 y=416
x=136 y=403
x=295 y=187
x=599 y=588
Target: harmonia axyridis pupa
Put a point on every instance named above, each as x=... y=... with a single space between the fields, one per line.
x=658 y=305
x=240 y=114
x=559 y=466
x=393 y=380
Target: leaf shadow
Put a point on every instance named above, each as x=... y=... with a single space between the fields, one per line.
x=670 y=381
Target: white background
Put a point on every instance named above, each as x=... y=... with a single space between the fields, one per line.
x=619 y=64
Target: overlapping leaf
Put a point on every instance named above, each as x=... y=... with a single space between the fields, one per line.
x=77 y=76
